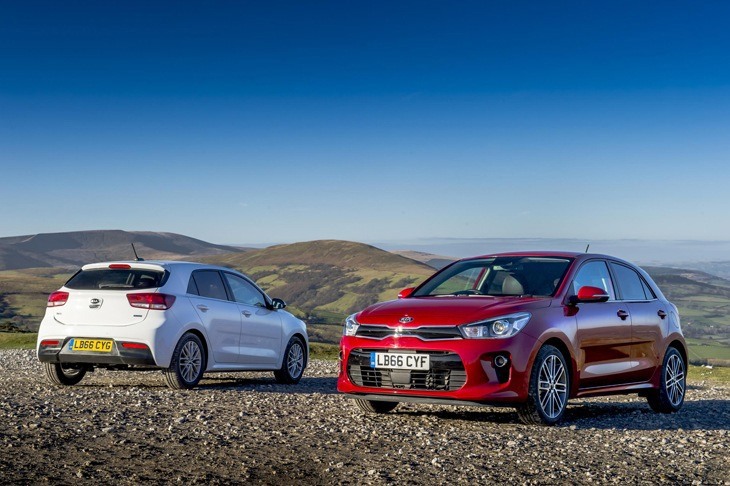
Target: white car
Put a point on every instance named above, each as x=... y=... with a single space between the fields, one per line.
x=184 y=318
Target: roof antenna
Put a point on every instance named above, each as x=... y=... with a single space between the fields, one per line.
x=136 y=257
x=588 y=246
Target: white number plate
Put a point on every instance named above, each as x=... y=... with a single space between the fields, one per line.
x=399 y=361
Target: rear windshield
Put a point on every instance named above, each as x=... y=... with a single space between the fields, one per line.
x=116 y=279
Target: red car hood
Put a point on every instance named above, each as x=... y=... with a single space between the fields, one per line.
x=435 y=311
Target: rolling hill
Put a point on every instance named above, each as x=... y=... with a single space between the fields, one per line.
x=73 y=249
x=323 y=281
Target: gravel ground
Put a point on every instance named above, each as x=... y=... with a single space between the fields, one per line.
x=128 y=427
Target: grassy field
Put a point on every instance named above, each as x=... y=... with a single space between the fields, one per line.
x=18 y=340
x=716 y=374
x=26 y=292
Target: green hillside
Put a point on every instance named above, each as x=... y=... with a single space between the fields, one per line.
x=23 y=295
x=323 y=281
x=704 y=306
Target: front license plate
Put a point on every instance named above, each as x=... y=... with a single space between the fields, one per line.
x=93 y=345
x=400 y=361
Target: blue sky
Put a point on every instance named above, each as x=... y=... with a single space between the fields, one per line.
x=243 y=122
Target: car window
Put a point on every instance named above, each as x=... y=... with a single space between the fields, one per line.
x=647 y=290
x=244 y=292
x=594 y=274
x=116 y=279
x=210 y=284
x=463 y=280
x=629 y=283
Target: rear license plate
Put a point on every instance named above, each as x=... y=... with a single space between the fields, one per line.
x=400 y=361
x=92 y=345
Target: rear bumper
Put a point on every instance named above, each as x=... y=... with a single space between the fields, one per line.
x=117 y=356
x=484 y=382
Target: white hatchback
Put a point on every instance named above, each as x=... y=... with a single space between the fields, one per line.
x=183 y=318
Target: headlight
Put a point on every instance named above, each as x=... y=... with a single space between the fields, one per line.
x=500 y=327
x=351 y=326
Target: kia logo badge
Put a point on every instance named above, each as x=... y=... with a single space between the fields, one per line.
x=405 y=319
x=95 y=303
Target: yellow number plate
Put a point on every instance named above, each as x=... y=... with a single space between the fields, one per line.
x=93 y=345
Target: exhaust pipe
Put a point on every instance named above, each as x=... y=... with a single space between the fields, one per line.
x=500 y=361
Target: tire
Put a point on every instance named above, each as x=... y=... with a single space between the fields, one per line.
x=669 y=397
x=187 y=364
x=375 y=406
x=294 y=362
x=549 y=389
x=63 y=375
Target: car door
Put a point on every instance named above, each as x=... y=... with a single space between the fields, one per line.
x=603 y=330
x=646 y=321
x=219 y=316
x=260 y=343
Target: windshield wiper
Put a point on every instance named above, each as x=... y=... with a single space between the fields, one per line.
x=115 y=286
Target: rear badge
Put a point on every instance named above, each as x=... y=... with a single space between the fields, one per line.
x=95 y=303
x=405 y=319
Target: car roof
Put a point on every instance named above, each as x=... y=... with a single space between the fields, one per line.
x=554 y=254
x=546 y=254
x=155 y=264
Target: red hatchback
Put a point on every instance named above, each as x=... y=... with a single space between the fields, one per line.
x=526 y=329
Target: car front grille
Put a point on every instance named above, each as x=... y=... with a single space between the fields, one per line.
x=425 y=333
x=446 y=372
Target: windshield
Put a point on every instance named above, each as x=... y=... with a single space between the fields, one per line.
x=500 y=276
x=116 y=279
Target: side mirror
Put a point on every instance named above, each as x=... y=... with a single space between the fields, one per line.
x=278 y=304
x=590 y=294
x=406 y=292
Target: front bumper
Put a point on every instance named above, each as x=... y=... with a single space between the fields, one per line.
x=472 y=375
x=117 y=356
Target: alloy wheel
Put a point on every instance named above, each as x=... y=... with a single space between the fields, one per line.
x=552 y=386
x=295 y=360
x=674 y=379
x=191 y=360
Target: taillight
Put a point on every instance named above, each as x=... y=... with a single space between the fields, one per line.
x=151 y=301
x=56 y=299
x=50 y=343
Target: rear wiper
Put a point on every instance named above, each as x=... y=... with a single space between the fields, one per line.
x=115 y=286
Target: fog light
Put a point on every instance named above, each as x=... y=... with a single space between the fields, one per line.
x=500 y=361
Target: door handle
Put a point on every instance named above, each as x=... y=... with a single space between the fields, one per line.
x=622 y=314
x=246 y=313
x=202 y=307
x=661 y=313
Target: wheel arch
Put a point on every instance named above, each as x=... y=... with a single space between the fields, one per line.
x=200 y=336
x=569 y=358
x=679 y=346
x=306 y=345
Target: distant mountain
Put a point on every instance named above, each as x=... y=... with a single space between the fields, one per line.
x=697 y=276
x=687 y=253
x=434 y=261
x=719 y=268
x=72 y=249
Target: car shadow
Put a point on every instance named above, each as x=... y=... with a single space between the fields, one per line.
x=323 y=385
x=635 y=415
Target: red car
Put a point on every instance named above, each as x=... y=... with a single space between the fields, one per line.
x=528 y=329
